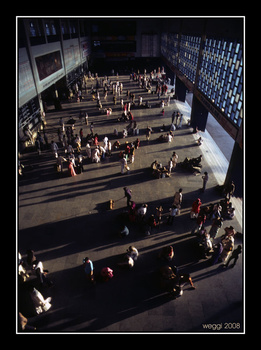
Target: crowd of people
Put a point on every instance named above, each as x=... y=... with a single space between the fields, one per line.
x=73 y=148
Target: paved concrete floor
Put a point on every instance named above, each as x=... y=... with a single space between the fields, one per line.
x=65 y=219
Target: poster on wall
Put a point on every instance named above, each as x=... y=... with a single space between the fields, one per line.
x=48 y=64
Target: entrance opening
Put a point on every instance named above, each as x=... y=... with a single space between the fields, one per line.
x=223 y=140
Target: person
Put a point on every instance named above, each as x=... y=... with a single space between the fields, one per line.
x=23 y=275
x=124 y=231
x=174 y=159
x=96 y=155
x=205 y=244
x=235 y=254
x=106 y=274
x=159 y=211
x=186 y=278
x=199 y=141
x=180 y=121
x=166 y=253
x=30 y=257
x=195 y=208
x=133 y=252
x=229 y=190
x=71 y=168
x=201 y=219
x=172 y=127
x=205 y=180
x=172 y=213
x=228 y=246
x=127 y=261
x=88 y=150
x=217 y=253
x=151 y=222
x=40 y=272
x=170 y=166
x=178 y=198
x=86 y=117
x=59 y=163
x=132 y=211
x=216 y=225
x=88 y=269
x=169 y=137
x=54 y=148
x=23 y=323
x=123 y=162
x=148 y=132
x=141 y=212
x=41 y=305
x=127 y=194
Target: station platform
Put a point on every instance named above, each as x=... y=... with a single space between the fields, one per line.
x=64 y=219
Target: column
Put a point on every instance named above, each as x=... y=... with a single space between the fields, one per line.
x=235 y=170
x=180 y=90
x=199 y=115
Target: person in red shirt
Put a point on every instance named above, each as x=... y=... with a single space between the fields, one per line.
x=195 y=208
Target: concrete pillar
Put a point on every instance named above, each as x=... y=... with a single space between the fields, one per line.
x=180 y=90
x=199 y=115
x=235 y=170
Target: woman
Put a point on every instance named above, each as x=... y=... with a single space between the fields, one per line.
x=71 y=169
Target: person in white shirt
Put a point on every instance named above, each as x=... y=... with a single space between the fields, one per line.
x=172 y=213
x=133 y=252
x=142 y=211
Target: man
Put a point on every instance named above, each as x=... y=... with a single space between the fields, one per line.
x=230 y=189
x=178 y=198
x=127 y=193
x=88 y=268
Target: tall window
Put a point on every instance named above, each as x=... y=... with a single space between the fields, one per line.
x=188 y=56
x=221 y=76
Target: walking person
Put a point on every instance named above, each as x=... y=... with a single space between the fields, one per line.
x=175 y=158
x=235 y=254
x=170 y=166
x=205 y=180
x=159 y=211
x=178 y=198
x=172 y=213
x=195 y=208
x=88 y=269
x=127 y=193
x=123 y=162
x=148 y=132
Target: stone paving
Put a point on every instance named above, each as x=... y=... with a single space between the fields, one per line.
x=64 y=219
